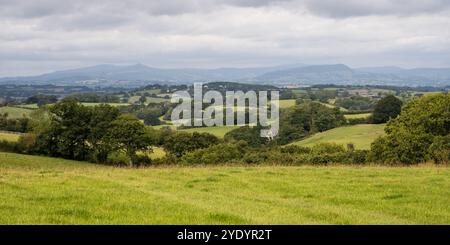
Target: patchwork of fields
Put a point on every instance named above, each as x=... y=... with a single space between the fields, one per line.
x=42 y=190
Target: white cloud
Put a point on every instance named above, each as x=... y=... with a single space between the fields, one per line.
x=41 y=36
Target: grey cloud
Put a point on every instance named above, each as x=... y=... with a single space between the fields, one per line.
x=349 y=8
x=129 y=8
x=47 y=35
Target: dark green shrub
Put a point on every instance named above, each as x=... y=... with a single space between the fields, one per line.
x=326 y=148
x=180 y=143
x=168 y=159
x=142 y=160
x=8 y=146
x=326 y=158
x=357 y=157
x=216 y=154
x=295 y=149
x=117 y=158
x=439 y=150
x=387 y=108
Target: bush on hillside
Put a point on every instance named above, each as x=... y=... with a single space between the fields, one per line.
x=439 y=150
x=409 y=137
x=216 y=154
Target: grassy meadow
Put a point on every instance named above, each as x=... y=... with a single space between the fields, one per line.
x=42 y=190
x=15 y=112
x=9 y=136
x=361 y=136
x=286 y=103
x=357 y=116
x=135 y=99
x=29 y=106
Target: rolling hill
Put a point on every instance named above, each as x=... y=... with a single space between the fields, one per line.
x=15 y=112
x=361 y=136
x=108 y=75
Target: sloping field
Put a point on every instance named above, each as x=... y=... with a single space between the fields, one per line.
x=361 y=136
x=286 y=103
x=357 y=116
x=9 y=136
x=15 y=112
x=41 y=190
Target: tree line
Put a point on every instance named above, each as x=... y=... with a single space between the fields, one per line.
x=418 y=132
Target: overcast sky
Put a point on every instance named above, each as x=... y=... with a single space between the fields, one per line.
x=46 y=35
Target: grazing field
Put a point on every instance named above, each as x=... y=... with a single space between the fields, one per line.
x=9 y=136
x=357 y=116
x=361 y=136
x=29 y=106
x=41 y=190
x=287 y=103
x=14 y=112
x=135 y=99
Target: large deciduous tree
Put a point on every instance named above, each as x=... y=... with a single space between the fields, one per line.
x=419 y=133
x=387 y=108
x=129 y=135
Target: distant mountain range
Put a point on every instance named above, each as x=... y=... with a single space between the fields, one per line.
x=139 y=75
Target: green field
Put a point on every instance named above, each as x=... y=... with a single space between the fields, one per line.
x=361 y=136
x=41 y=190
x=15 y=112
x=135 y=99
x=356 y=116
x=9 y=136
x=287 y=103
x=29 y=106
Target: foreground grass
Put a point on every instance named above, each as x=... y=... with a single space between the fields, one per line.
x=40 y=190
x=361 y=135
